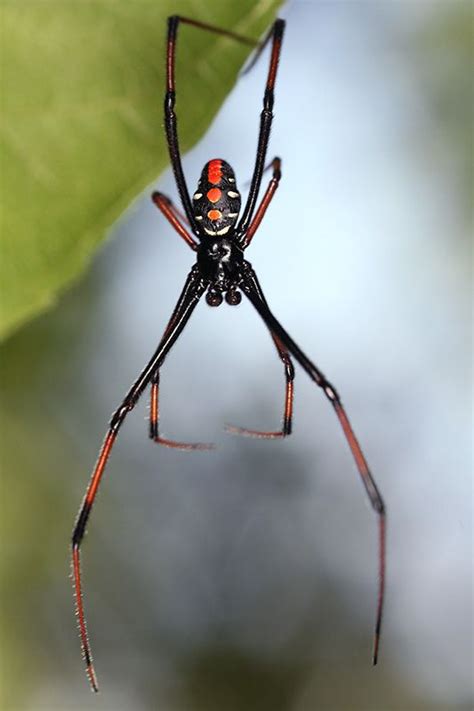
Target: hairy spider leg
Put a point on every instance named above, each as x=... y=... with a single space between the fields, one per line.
x=155 y=418
x=192 y=292
x=289 y=391
x=286 y=427
x=266 y=200
x=266 y=118
x=253 y=291
x=175 y=218
x=282 y=352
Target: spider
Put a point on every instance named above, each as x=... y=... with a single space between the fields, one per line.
x=211 y=227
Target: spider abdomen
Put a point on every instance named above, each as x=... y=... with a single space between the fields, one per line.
x=216 y=202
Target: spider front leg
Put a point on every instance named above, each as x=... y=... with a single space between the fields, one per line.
x=266 y=118
x=192 y=292
x=266 y=200
x=251 y=288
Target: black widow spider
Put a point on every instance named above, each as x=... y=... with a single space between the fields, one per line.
x=220 y=269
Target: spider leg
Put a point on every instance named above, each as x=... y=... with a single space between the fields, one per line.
x=257 y=53
x=192 y=292
x=154 y=403
x=289 y=391
x=252 y=290
x=266 y=118
x=266 y=200
x=179 y=213
x=174 y=217
x=288 y=405
x=154 y=420
x=217 y=30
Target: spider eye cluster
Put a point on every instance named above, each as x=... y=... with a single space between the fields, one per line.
x=217 y=201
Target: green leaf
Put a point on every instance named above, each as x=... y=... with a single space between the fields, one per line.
x=82 y=128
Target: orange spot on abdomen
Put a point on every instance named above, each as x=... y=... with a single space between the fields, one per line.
x=214 y=215
x=214 y=171
x=214 y=194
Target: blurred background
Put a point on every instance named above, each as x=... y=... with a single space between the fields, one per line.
x=245 y=578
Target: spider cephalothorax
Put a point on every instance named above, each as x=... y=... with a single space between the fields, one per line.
x=221 y=263
x=216 y=202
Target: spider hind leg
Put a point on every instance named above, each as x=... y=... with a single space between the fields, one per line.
x=287 y=423
x=154 y=420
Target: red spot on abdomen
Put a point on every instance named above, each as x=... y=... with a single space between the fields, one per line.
x=214 y=194
x=214 y=171
x=214 y=215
